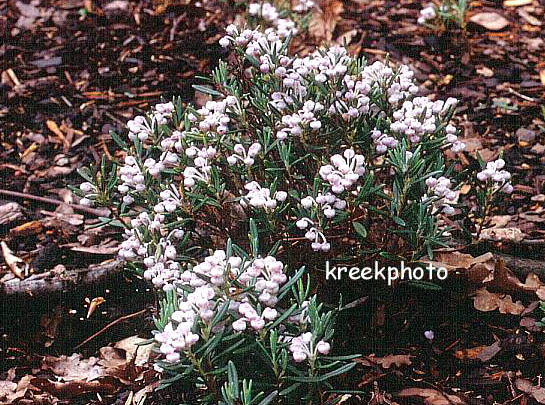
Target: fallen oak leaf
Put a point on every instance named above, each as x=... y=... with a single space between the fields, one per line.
x=499 y=221
x=431 y=396
x=136 y=350
x=325 y=19
x=469 y=353
x=71 y=389
x=513 y=235
x=140 y=397
x=530 y=19
x=512 y=344
x=535 y=391
x=457 y=261
x=397 y=359
x=22 y=387
x=73 y=367
x=486 y=301
x=10 y=212
x=504 y=279
x=534 y=283
x=530 y=324
x=476 y=269
x=12 y=261
x=386 y=362
x=7 y=388
x=489 y=352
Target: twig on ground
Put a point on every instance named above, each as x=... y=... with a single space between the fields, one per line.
x=108 y=326
x=77 y=207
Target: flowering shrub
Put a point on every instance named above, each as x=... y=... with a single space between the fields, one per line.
x=223 y=311
x=493 y=182
x=445 y=14
x=305 y=155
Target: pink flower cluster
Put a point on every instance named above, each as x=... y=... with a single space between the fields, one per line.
x=302 y=347
x=260 y=197
x=201 y=169
x=497 y=176
x=240 y=154
x=214 y=281
x=442 y=189
x=343 y=171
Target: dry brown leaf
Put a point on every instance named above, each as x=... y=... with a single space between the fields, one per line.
x=530 y=324
x=325 y=19
x=536 y=391
x=72 y=389
x=490 y=20
x=10 y=391
x=398 y=360
x=507 y=306
x=114 y=366
x=513 y=235
x=504 y=279
x=458 y=261
x=500 y=221
x=486 y=301
x=112 y=358
x=74 y=368
x=7 y=388
x=63 y=214
x=488 y=352
x=431 y=396
x=542 y=76
x=133 y=347
x=470 y=353
x=22 y=388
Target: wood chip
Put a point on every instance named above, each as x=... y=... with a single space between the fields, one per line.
x=12 y=261
x=26 y=229
x=516 y=3
x=13 y=77
x=490 y=20
x=53 y=127
x=530 y=19
x=10 y=212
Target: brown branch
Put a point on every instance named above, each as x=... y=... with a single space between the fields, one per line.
x=77 y=207
x=108 y=326
x=49 y=283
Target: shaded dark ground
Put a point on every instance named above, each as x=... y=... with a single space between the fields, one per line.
x=68 y=79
